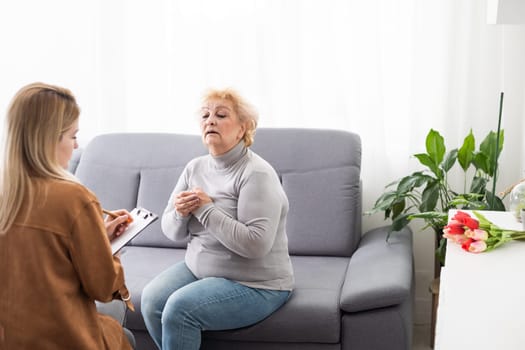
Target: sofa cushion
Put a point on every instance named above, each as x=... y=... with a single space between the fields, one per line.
x=155 y=189
x=299 y=150
x=320 y=172
x=311 y=315
x=116 y=186
x=324 y=203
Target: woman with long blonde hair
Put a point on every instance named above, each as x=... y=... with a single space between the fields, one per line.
x=55 y=255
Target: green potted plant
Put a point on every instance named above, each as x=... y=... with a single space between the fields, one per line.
x=428 y=195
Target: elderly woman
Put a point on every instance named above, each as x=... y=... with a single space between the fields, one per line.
x=55 y=255
x=232 y=207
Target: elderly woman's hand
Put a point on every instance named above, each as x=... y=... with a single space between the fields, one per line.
x=188 y=201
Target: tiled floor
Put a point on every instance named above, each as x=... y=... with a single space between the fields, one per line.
x=421 y=340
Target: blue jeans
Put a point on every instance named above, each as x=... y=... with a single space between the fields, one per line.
x=177 y=306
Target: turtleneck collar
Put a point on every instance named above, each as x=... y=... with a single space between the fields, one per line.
x=229 y=158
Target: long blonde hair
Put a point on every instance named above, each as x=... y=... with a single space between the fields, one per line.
x=245 y=111
x=37 y=118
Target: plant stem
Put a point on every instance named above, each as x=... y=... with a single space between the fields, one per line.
x=496 y=153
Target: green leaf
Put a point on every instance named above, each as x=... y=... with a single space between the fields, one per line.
x=427 y=161
x=434 y=215
x=466 y=152
x=384 y=202
x=422 y=178
x=481 y=162
x=434 y=219
x=408 y=183
x=400 y=222
x=488 y=148
x=398 y=207
x=429 y=197
x=450 y=160
x=478 y=185
x=468 y=201
x=435 y=144
x=482 y=219
x=494 y=202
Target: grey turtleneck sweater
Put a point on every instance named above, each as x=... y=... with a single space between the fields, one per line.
x=241 y=235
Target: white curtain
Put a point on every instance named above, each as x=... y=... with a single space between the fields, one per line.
x=387 y=69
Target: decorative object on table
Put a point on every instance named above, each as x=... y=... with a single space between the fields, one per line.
x=428 y=195
x=517 y=199
x=478 y=235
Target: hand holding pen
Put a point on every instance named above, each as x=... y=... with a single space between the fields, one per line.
x=116 y=222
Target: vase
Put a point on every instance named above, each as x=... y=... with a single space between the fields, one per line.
x=517 y=200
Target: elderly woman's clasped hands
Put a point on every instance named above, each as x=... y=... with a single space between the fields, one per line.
x=188 y=201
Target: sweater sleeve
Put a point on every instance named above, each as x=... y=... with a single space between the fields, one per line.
x=100 y=273
x=259 y=211
x=175 y=226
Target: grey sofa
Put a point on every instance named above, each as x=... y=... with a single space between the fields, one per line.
x=353 y=291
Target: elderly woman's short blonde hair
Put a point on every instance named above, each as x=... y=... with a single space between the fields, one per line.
x=244 y=110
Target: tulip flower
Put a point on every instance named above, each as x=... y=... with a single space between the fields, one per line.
x=477 y=246
x=466 y=220
x=459 y=239
x=466 y=244
x=454 y=229
x=476 y=236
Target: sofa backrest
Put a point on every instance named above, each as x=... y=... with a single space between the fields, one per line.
x=319 y=170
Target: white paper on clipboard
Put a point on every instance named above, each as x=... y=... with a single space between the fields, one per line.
x=141 y=218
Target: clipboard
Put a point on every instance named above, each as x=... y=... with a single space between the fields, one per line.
x=141 y=218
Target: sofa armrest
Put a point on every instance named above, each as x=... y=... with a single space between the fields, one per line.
x=380 y=272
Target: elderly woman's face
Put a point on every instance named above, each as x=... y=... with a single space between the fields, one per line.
x=220 y=126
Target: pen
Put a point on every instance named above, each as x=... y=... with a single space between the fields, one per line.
x=114 y=215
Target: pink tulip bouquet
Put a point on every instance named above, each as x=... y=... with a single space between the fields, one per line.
x=478 y=235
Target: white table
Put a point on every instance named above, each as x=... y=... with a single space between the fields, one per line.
x=482 y=296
